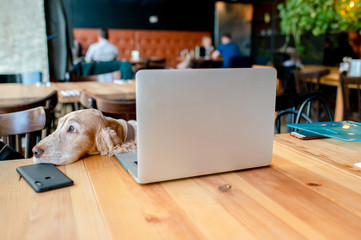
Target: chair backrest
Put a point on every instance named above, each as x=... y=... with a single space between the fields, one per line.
x=308 y=81
x=29 y=122
x=124 y=109
x=152 y=63
x=106 y=77
x=155 y=63
x=49 y=101
x=26 y=78
x=351 y=96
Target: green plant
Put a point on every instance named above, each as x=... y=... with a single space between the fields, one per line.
x=319 y=17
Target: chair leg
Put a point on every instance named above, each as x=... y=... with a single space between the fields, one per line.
x=11 y=141
x=30 y=140
x=292 y=112
x=76 y=106
x=18 y=143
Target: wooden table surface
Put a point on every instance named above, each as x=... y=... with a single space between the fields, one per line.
x=312 y=190
x=11 y=93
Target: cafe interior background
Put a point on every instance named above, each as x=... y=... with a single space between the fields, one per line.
x=34 y=31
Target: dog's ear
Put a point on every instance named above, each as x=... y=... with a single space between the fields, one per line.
x=110 y=137
x=104 y=140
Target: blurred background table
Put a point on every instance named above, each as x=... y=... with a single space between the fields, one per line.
x=12 y=93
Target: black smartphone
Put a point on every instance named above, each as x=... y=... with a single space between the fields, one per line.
x=304 y=135
x=44 y=176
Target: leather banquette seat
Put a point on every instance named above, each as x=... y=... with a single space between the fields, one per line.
x=149 y=43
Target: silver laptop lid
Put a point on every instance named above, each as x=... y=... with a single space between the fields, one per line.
x=202 y=121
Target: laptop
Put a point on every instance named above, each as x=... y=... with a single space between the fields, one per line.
x=195 y=122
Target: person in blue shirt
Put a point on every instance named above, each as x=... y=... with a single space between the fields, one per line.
x=227 y=50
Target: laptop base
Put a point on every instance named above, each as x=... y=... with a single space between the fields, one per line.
x=129 y=162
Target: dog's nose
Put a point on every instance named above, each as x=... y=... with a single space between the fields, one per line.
x=38 y=152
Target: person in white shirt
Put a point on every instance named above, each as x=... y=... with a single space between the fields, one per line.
x=102 y=50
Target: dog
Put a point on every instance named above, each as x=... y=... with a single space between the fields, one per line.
x=86 y=132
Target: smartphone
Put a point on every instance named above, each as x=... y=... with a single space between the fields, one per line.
x=44 y=177
x=304 y=135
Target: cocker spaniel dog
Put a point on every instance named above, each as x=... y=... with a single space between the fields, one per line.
x=86 y=132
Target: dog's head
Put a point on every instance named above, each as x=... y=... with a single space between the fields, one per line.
x=80 y=133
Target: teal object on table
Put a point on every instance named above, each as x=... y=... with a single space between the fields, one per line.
x=344 y=130
x=95 y=68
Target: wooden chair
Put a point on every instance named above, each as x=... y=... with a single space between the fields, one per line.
x=152 y=63
x=155 y=63
x=305 y=81
x=49 y=101
x=125 y=109
x=351 y=96
x=29 y=122
x=106 y=77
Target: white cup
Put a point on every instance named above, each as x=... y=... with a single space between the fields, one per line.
x=135 y=55
x=355 y=68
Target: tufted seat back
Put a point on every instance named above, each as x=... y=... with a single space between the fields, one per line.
x=123 y=40
x=149 y=43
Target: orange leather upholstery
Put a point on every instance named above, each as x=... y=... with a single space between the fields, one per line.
x=149 y=43
x=123 y=40
x=85 y=37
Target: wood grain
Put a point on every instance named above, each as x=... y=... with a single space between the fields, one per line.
x=67 y=213
x=311 y=190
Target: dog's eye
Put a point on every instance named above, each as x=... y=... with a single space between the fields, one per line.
x=71 y=128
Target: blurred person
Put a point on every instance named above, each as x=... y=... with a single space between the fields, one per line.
x=204 y=51
x=227 y=50
x=207 y=47
x=102 y=50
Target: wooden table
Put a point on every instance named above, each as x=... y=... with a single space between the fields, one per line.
x=11 y=93
x=312 y=190
x=106 y=89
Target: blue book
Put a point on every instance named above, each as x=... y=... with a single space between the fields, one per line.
x=344 y=130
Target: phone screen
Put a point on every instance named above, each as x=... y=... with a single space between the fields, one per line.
x=44 y=177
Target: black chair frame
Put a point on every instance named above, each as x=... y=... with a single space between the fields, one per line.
x=299 y=114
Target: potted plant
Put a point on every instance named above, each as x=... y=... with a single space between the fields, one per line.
x=319 y=17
